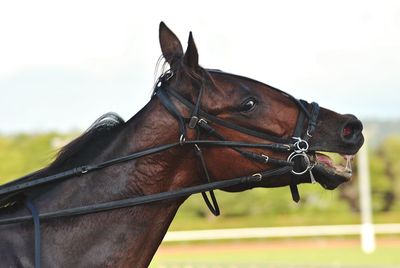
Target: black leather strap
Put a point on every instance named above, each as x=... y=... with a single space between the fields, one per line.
x=249 y=155
x=141 y=200
x=311 y=125
x=169 y=105
x=312 y=121
x=36 y=223
x=297 y=161
x=194 y=119
x=227 y=124
x=213 y=204
x=19 y=186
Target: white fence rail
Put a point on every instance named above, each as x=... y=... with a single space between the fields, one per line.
x=295 y=231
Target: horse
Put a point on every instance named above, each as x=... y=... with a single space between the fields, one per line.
x=202 y=128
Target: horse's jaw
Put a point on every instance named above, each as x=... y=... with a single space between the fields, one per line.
x=330 y=174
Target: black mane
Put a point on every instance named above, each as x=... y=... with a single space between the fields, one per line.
x=77 y=153
x=90 y=144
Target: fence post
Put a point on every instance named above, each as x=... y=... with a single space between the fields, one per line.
x=367 y=228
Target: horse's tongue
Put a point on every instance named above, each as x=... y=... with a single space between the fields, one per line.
x=324 y=159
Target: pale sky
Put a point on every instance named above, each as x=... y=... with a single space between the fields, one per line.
x=65 y=63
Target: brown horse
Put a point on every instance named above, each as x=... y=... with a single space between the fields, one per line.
x=189 y=103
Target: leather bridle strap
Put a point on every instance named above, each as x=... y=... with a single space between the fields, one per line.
x=213 y=204
x=216 y=120
x=194 y=119
x=14 y=188
x=146 y=199
x=298 y=132
x=168 y=104
x=36 y=223
x=297 y=161
x=201 y=124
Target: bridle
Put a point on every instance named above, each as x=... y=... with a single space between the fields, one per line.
x=298 y=162
x=201 y=121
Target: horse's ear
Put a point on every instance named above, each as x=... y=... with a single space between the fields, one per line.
x=191 y=58
x=170 y=46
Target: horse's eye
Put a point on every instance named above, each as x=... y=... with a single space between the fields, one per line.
x=248 y=105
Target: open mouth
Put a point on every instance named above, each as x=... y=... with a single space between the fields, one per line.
x=332 y=169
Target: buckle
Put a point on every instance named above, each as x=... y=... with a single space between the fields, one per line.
x=193 y=121
x=182 y=139
x=257 y=177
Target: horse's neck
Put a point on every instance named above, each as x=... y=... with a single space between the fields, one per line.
x=128 y=236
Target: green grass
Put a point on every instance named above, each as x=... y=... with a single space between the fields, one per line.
x=185 y=222
x=302 y=256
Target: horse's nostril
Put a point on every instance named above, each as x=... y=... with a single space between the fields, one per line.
x=352 y=130
x=347 y=131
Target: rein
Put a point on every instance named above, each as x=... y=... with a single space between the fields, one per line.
x=297 y=163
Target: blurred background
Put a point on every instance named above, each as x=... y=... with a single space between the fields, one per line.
x=65 y=63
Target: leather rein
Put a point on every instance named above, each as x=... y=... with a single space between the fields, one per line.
x=297 y=163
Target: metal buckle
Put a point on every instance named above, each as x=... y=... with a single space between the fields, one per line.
x=197 y=147
x=193 y=121
x=266 y=157
x=84 y=170
x=182 y=139
x=168 y=75
x=308 y=134
x=202 y=121
x=164 y=77
x=258 y=176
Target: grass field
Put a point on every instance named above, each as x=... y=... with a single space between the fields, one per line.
x=299 y=253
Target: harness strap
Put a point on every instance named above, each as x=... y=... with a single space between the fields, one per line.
x=312 y=123
x=16 y=187
x=303 y=115
x=213 y=205
x=250 y=155
x=299 y=161
x=146 y=199
x=227 y=124
x=194 y=121
x=294 y=190
x=36 y=222
x=195 y=112
x=169 y=105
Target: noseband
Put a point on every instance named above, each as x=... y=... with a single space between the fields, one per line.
x=298 y=162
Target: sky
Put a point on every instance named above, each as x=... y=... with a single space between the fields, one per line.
x=65 y=63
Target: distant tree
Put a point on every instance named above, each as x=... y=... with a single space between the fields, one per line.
x=385 y=177
x=23 y=153
x=389 y=152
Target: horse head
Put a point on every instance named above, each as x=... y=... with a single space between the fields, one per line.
x=242 y=109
